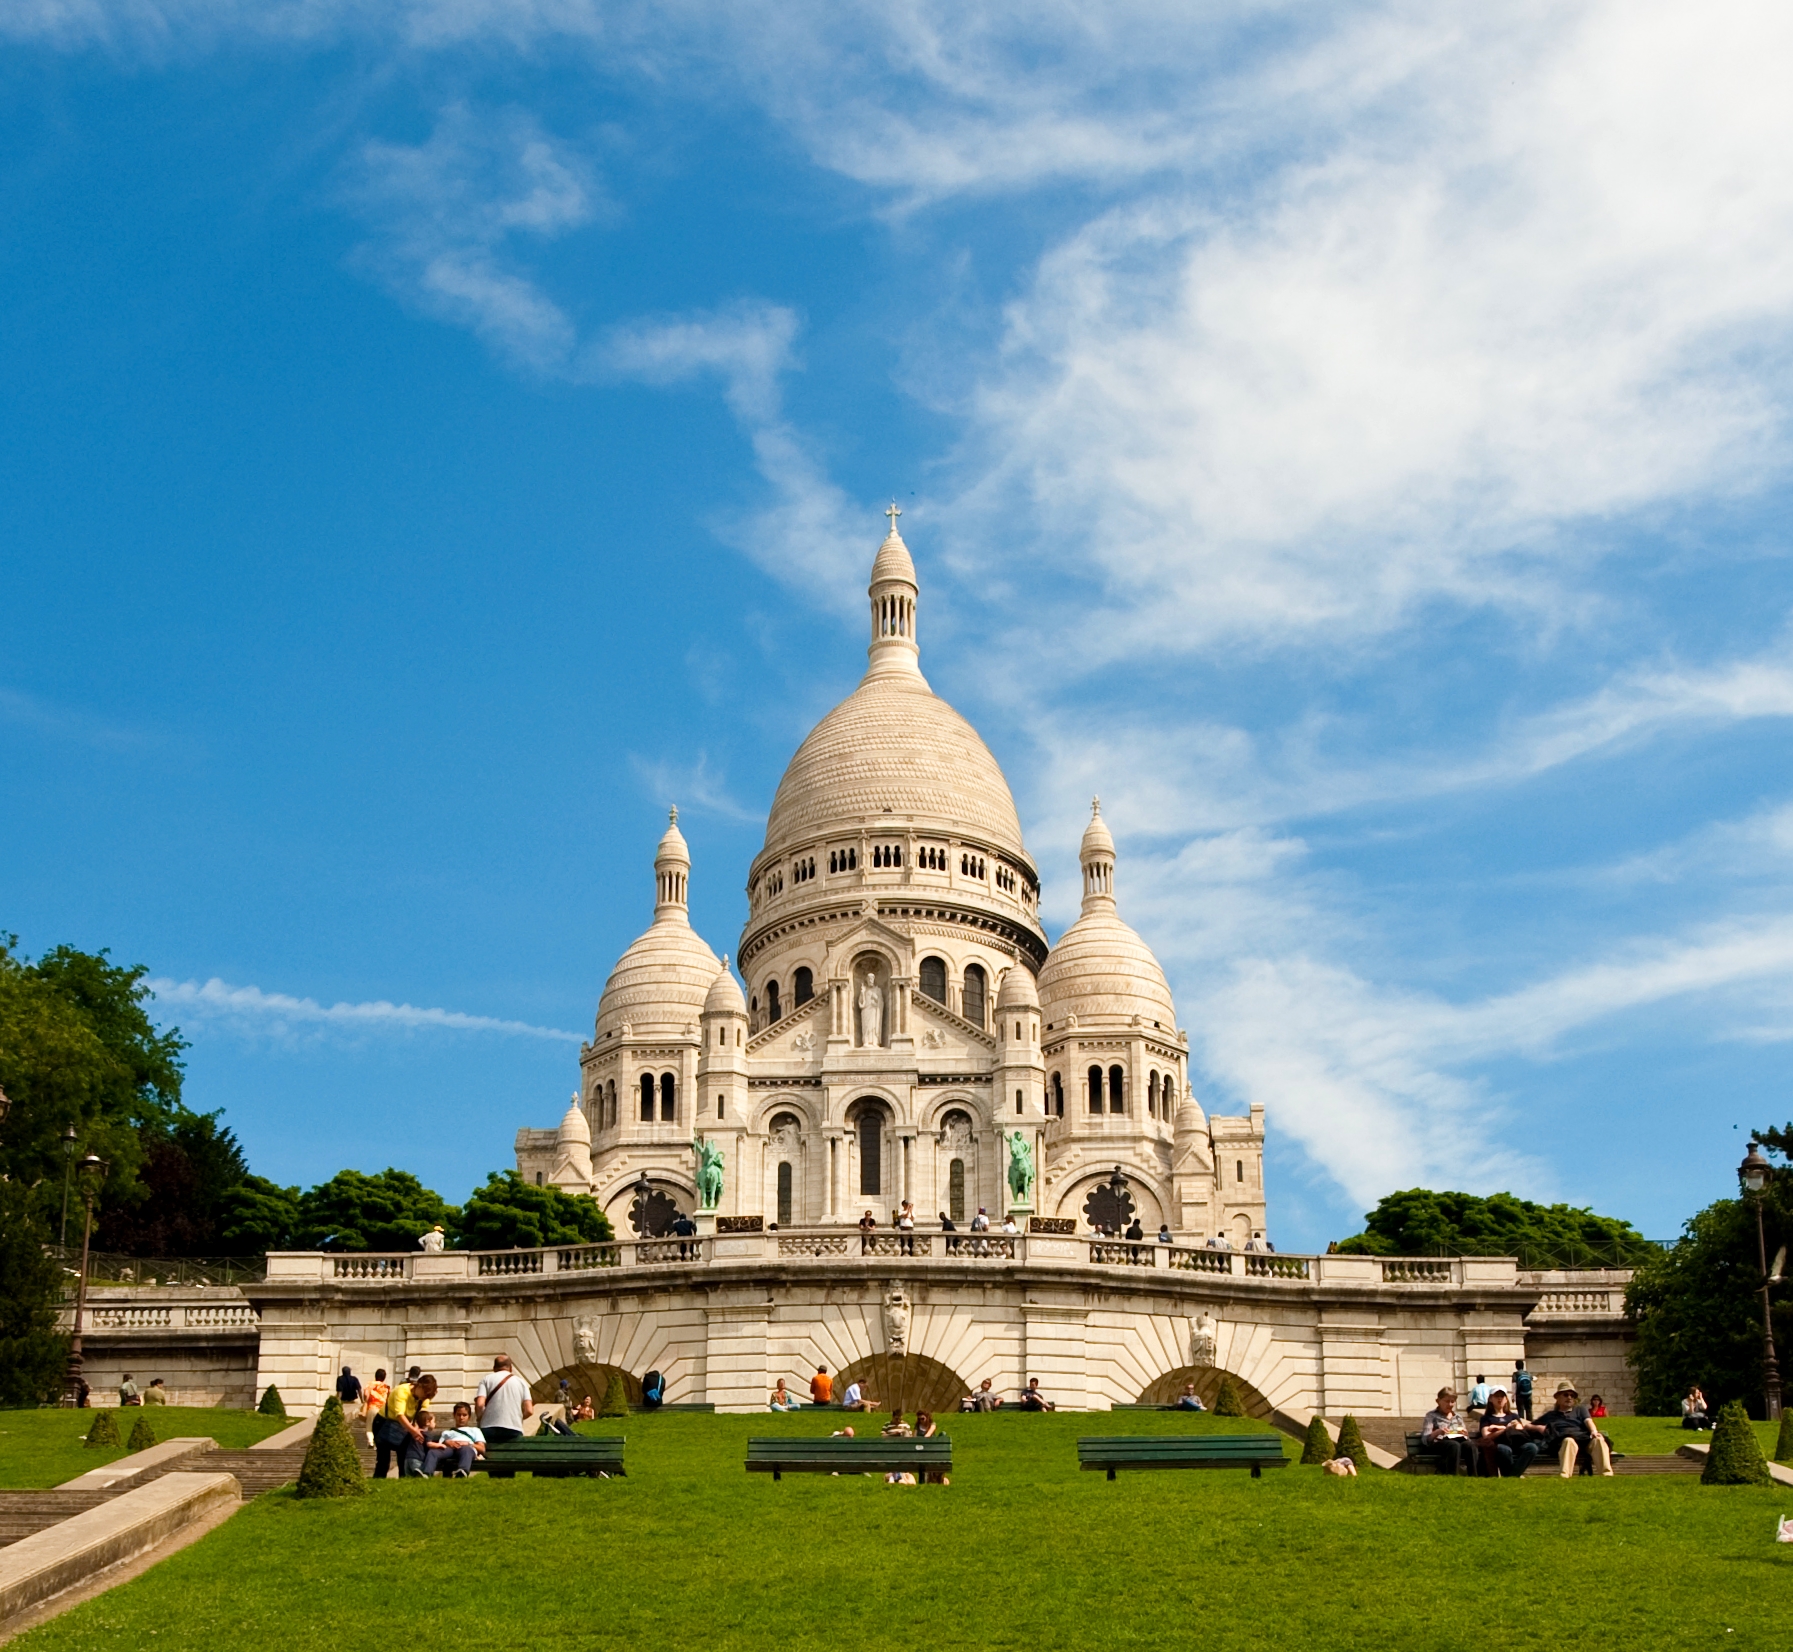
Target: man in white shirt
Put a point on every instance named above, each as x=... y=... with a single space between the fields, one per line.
x=502 y=1401
x=854 y=1399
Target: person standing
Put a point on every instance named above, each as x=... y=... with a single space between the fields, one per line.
x=501 y=1402
x=373 y=1401
x=1522 y=1390
x=906 y=1227
x=391 y=1431
x=348 y=1388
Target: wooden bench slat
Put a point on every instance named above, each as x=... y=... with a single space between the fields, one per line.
x=555 y=1455
x=1168 y=1451
x=811 y=1455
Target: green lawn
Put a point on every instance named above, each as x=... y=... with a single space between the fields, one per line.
x=1663 y=1436
x=1021 y=1552
x=44 y=1447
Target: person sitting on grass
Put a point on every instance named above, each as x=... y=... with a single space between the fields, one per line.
x=983 y=1398
x=781 y=1399
x=1444 y=1435
x=1505 y=1441
x=896 y=1428
x=156 y=1394
x=1694 y=1413
x=587 y=1410
x=127 y=1392
x=1189 y=1400
x=856 y=1399
x=1571 y=1437
x=1596 y=1407
x=821 y=1387
x=440 y=1454
x=1033 y=1400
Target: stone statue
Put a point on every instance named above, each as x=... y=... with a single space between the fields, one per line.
x=871 y=1013
x=1204 y=1339
x=896 y=1323
x=709 y=1173
x=585 y=1341
x=1021 y=1172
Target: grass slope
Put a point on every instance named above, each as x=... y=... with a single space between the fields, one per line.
x=1021 y=1552
x=1664 y=1436
x=44 y=1447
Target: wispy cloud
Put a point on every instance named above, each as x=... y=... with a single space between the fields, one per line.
x=27 y=711
x=693 y=784
x=217 y=1000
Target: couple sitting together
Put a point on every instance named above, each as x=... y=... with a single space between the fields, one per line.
x=1508 y=1444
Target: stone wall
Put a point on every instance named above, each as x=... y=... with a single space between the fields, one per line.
x=204 y=1342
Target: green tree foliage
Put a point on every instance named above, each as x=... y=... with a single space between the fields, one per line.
x=143 y=1434
x=33 y=1354
x=1698 y=1305
x=103 y=1431
x=1735 y=1458
x=616 y=1397
x=271 y=1403
x=1419 y=1222
x=257 y=1216
x=1351 y=1442
x=331 y=1467
x=192 y=1168
x=353 y=1211
x=1317 y=1447
x=1227 y=1402
x=509 y=1211
x=1783 y=1443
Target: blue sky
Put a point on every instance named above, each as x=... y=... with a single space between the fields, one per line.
x=1352 y=440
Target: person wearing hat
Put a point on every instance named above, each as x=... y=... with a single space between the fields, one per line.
x=1569 y=1434
x=433 y=1240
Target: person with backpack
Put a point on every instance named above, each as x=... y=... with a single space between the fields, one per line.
x=501 y=1402
x=1522 y=1390
x=653 y=1391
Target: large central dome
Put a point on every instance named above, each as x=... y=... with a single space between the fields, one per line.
x=893 y=749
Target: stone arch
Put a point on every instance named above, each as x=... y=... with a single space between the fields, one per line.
x=618 y=1201
x=1164 y=1390
x=1142 y=1189
x=786 y=1135
x=911 y=1382
x=872 y=1120
x=584 y=1379
x=769 y=1110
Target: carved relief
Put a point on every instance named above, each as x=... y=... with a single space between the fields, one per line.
x=1204 y=1339
x=585 y=1341
x=896 y=1323
x=933 y=1039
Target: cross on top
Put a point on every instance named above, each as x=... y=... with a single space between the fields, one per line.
x=893 y=513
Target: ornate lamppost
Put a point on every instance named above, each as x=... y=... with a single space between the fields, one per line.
x=643 y=1191
x=93 y=1172
x=1755 y=1173
x=68 y=1175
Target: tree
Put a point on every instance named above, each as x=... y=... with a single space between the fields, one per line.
x=1783 y=1443
x=192 y=1166
x=1227 y=1402
x=510 y=1212
x=143 y=1435
x=103 y=1431
x=33 y=1354
x=257 y=1216
x=352 y=1211
x=1419 y=1222
x=616 y=1397
x=272 y=1405
x=331 y=1467
x=1317 y=1447
x=1735 y=1456
x=1351 y=1442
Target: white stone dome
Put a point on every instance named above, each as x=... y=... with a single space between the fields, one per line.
x=1018 y=991
x=664 y=979
x=574 y=1129
x=1102 y=972
x=724 y=997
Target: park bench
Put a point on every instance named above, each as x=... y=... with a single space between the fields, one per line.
x=1254 y=1451
x=553 y=1456
x=812 y=1454
x=1421 y=1461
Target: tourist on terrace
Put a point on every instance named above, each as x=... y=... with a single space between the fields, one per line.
x=906 y=1227
x=127 y=1392
x=1252 y=1244
x=1478 y=1396
x=821 y=1387
x=1570 y=1435
x=157 y=1394
x=1033 y=1400
x=1164 y=1237
x=1506 y=1443
x=501 y=1402
x=1008 y=1223
x=1694 y=1411
x=1444 y=1435
x=781 y=1399
x=983 y=1398
x=948 y=1225
x=856 y=1399
x=868 y=1225
x=980 y=1223
x=1189 y=1400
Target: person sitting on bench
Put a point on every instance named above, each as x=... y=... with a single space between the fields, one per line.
x=1444 y=1435
x=1570 y=1436
x=1033 y=1400
x=1505 y=1441
x=451 y=1450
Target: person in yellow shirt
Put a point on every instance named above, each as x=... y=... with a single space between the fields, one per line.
x=391 y=1433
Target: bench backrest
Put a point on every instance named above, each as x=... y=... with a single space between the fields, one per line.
x=557 y=1448
x=1181 y=1448
x=847 y=1452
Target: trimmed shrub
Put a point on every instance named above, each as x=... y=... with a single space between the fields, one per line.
x=331 y=1468
x=1227 y=1402
x=1735 y=1458
x=1318 y=1446
x=1351 y=1442
x=616 y=1398
x=1783 y=1447
x=271 y=1403
x=142 y=1434
x=104 y=1431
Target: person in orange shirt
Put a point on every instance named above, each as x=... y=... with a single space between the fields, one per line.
x=373 y=1401
x=821 y=1386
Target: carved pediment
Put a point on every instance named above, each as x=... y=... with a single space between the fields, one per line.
x=937 y=1030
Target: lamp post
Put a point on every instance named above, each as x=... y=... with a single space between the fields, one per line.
x=93 y=1172
x=1755 y=1173
x=643 y=1191
x=68 y=1174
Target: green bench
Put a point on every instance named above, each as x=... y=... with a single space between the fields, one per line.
x=553 y=1456
x=1253 y=1451
x=823 y=1454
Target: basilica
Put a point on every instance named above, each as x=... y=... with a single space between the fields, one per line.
x=901 y=1029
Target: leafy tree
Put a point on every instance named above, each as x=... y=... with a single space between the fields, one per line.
x=616 y=1398
x=257 y=1216
x=331 y=1467
x=510 y=1212
x=143 y=1435
x=1317 y=1447
x=272 y=1405
x=353 y=1211
x=192 y=1166
x=1783 y=1443
x=1419 y=1222
x=1351 y=1442
x=33 y=1354
x=1735 y=1457
x=1227 y=1402
x=103 y=1431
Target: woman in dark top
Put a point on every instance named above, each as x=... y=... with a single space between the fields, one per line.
x=1446 y=1436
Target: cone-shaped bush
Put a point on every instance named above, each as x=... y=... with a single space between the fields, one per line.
x=616 y=1398
x=142 y=1435
x=1735 y=1458
x=1318 y=1446
x=1783 y=1447
x=104 y=1431
x=1351 y=1442
x=331 y=1468
x=1227 y=1402
x=271 y=1403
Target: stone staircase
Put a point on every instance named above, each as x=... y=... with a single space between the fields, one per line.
x=23 y=1513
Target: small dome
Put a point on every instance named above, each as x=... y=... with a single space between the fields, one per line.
x=725 y=994
x=1104 y=974
x=1097 y=839
x=673 y=849
x=893 y=561
x=662 y=981
x=1018 y=990
x=573 y=1128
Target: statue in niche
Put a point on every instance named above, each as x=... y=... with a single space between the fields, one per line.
x=585 y=1341
x=784 y=1134
x=1021 y=1169
x=896 y=1323
x=709 y=1173
x=871 y=1013
x=1204 y=1339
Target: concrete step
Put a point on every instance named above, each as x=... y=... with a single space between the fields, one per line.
x=23 y=1513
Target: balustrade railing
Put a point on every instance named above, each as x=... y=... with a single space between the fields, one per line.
x=1112 y=1252
x=222 y=1317
x=497 y=1263
x=1416 y=1270
x=1578 y=1302
x=589 y=1256
x=981 y=1247
x=130 y=1319
x=1272 y=1266
x=896 y=1244
x=174 y=1316
x=669 y=1250
x=812 y=1244
x=370 y=1267
x=1198 y=1261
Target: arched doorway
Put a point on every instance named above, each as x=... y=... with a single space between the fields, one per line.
x=905 y=1382
x=582 y=1380
x=1169 y=1387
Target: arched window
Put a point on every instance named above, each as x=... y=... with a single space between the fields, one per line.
x=1117 y=1090
x=669 y=1098
x=721 y=1107
x=538 y=1178
x=871 y=1152
x=975 y=981
x=610 y=1102
x=1017 y=1101
x=933 y=979
x=1239 y=1167
x=803 y=986
x=647 y=1098
x=1095 y=1089
x=1152 y=1093
x=1058 y=1095
x=955 y=1190
x=773 y=1012
x=784 y=1193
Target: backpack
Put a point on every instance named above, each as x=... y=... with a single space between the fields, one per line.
x=1522 y=1380
x=653 y=1389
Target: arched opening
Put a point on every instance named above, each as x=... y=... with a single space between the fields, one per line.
x=1167 y=1389
x=647 y=1098
x=955 y=1190
x=774 y=1010
x=1095 y=1089
x=868 y=1131
x=669 y=1098
x=905 y=1382
x=784 y=1193
x=976 y=989
x=1117 y=1090
x=652 y=1217
x=1058 y=1095
x=933 y=979
x=1108 y=1208
x=803 y=986
x=584 y=1381
x=1152 y=1093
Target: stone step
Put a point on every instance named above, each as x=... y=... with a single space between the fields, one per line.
x=24 y=1513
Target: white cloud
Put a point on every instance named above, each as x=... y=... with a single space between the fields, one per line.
x=694 y=784
x=216 y=1000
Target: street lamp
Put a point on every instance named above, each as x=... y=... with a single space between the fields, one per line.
x=68 y=1174
x=643 y=1191
x=1755 y=1173
x=93 y=1172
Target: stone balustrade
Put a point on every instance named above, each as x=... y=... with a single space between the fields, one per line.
x=173 y=1316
